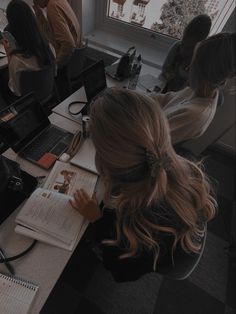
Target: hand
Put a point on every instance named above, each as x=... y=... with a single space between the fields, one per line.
x=86 y=206
x=6 y=46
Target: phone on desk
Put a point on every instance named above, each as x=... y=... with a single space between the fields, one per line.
x=10 y=38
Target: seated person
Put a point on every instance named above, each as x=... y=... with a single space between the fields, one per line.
x=156 y=202
x=191 y=110
x=31 y=52
x=176 y=66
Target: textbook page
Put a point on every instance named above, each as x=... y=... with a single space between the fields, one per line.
x=51 y=215
x=66 y=178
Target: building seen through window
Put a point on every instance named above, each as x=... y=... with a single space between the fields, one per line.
x=3 y=19
x=169 y=17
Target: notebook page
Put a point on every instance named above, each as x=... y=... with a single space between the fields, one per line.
x=16 y=295
x=85 y=157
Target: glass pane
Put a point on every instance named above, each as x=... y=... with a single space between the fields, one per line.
x=3 y=19
x=170 y=17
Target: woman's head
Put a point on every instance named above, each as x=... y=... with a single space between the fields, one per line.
x=23 y=26
x=213 y=62
x=135 y=155
x=126 y=128
x=197 y=30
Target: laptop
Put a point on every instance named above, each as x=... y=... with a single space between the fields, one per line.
x=111 y=70
x=25 y=128
x=95 y=83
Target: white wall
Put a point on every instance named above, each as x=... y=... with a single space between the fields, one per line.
x=4 y=3
x=88 y=21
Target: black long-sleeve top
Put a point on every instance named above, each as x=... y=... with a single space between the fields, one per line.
x=132 y=268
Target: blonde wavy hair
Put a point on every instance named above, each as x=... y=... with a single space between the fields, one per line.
x=135 y=157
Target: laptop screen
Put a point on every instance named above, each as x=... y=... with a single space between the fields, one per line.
x=94 y=80
x=21 y=122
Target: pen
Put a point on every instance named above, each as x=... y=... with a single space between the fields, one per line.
x=7 y=264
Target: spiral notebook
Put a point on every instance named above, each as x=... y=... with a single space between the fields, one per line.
x=16 y=294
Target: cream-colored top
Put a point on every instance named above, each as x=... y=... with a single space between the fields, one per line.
x=189 y=116
x=17 y=64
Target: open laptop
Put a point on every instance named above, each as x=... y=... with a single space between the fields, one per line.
x=25 y=128
x=95 y=83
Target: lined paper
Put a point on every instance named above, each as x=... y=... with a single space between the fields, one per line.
x=16 y=295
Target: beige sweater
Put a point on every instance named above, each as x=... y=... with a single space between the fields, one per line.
x=189 y=116
x=61 y=28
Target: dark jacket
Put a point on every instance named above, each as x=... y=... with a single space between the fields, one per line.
x=130 y=269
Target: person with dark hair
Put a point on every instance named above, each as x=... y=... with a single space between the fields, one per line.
x=30 y=51
x=191 y=110
x=176 y=66
x=156 y=203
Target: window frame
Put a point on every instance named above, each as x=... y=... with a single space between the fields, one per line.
x=139 y=34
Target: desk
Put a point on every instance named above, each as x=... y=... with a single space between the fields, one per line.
x=79 y=95
x=45 y=263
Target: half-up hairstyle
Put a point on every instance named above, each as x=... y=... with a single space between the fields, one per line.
x=213 y=62
x=135 y=157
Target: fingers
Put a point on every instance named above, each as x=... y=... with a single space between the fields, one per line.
x=86 y=205
x=81 y=196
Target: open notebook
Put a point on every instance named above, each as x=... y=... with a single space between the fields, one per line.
x=85 y=157
x=16 y=294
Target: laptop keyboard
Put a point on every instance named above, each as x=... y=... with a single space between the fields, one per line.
x=44 y=143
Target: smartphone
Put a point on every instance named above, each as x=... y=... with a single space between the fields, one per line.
x=10 y=38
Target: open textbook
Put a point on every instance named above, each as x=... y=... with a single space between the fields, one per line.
x=48 y=216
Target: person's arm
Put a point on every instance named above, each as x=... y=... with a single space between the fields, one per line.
x=162 y=99
x=14 y=68
x=43 y=24
x=168 y=68
x=62 y=35
x=187 y=124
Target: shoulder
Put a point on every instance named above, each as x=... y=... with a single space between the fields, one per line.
x=16 y=59
x=55 y=6
x=19 y=61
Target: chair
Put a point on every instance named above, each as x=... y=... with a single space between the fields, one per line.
x=75 y=67
x=69 y=77
x=40 y=82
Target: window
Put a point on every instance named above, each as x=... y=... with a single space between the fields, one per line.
x=3 y=19
x=169 y=17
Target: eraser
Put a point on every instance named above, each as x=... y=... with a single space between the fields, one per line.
x=64 y=157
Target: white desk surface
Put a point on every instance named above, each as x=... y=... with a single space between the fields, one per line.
x=79 y=95
x=45 y=263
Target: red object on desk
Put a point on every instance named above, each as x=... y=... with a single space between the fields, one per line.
x=47 y=160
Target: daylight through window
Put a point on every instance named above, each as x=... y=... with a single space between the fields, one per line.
x=169 y=17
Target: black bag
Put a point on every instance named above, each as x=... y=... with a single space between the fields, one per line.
x=125 y=64
x=15 y=186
